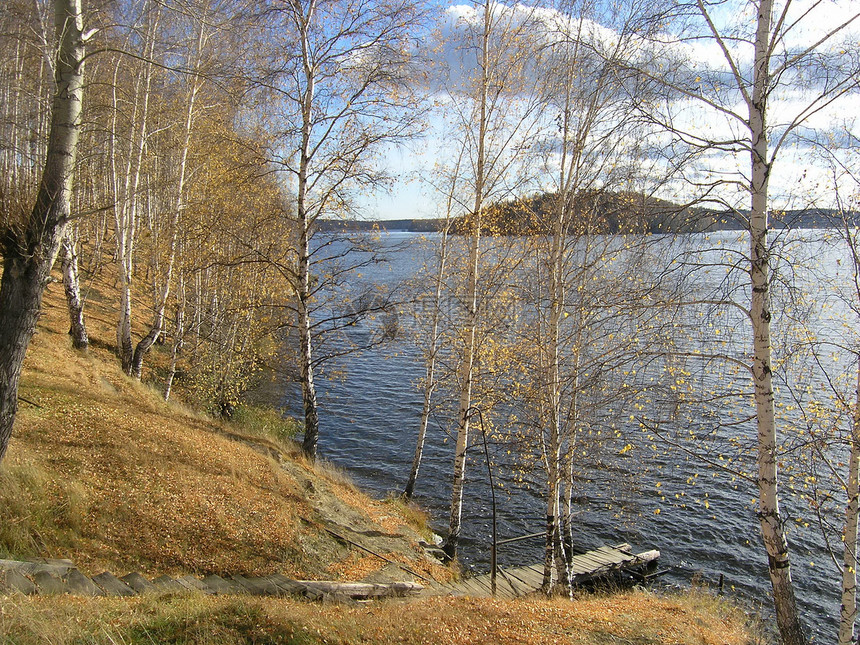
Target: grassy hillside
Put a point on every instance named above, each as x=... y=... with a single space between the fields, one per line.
x=103 y=472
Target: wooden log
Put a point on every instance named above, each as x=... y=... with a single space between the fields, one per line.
x=646 y=557
x=363 y=589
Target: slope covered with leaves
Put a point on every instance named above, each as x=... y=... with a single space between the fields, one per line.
x=103 y=472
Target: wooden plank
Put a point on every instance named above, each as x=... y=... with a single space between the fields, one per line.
x=219 y=585
x=510 y=583
x=518 y=581
x=521 y=587
x=475 y=589
x=614 y=555
x=57 y=568
x=166 y=583
x=258 y=586
x=529 y=577
x=591 y=561
x=289 y=586
x=193 y=584
x=484 y=583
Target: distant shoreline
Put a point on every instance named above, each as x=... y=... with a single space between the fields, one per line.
x=707 y=221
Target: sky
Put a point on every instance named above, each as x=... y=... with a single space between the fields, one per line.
x=799 y=176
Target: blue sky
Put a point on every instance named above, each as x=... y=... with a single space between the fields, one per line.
x=798 y=177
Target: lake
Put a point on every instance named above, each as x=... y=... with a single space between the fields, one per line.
x=701 y=520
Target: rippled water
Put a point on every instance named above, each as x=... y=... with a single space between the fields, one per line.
x=369 y=423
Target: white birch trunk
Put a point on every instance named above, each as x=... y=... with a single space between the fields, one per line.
x=470 y=325
x=178 y=337
x=163 y=293
x=770 y=518
x=126 y=189
x=848 y=609
x=305 y=221
x=430 y=372
x=72 y=288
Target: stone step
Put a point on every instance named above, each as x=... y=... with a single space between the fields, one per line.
x=113 y=586
x=193 y=584
x=221 y=586
x=166 y=583
x=62 y=577
x=138 y=583
x=12 y=580
x=48 y=584
x=77 y=583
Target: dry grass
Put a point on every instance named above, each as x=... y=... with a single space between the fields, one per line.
x=640 y=618
x=107 y=474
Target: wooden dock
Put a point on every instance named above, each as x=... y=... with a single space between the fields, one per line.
x=515 y=582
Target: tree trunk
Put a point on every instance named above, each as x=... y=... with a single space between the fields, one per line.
x=178 y=337
x=71 y=285
x=30 y=254
x=127 y=189
x=848 y=610
x=160 y=304
x=430 y=373
x=467 y=362
x=309 y=392
x=466 y=374
x=770 y=518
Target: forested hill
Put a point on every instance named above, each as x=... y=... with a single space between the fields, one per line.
x=594 y=212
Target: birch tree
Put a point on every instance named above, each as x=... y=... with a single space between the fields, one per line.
x=829 y=350
x=493 y=108
x=342 y=90
x=589 y=152
x=748 y=92
x=436 y=343
x=31 y=244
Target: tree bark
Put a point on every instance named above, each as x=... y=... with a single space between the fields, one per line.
x=71 y=285
x=309 y=392
x=770 y=517
x=160 y=304
x=848 y=610
x=467 y=361
x=430 y=373
x=178 y=337
x=30 y=254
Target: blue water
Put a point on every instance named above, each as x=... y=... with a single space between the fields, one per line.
x=703 y=523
